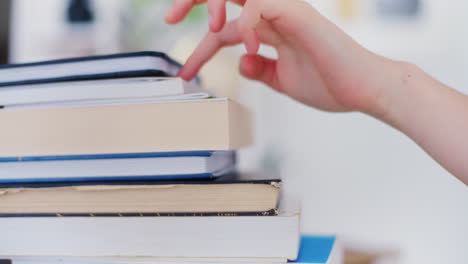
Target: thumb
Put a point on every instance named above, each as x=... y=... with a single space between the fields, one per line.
x=257 y=67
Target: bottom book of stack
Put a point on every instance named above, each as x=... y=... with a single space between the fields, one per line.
x=313 y=249
x=223 y=236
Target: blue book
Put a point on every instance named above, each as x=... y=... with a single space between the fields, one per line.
x=117 y=167
x=318 y=250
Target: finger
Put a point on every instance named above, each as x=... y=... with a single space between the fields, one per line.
x=208 y=47
x=284 y=16
x=180 y=9
x=256 y=67
x=250 y=17
x=216 y=14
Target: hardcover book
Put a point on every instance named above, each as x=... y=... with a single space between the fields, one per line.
x=187 y=237
x=210 y=124
x=124 y=65
x=229 y=195
x=126 y=166
x=313 y=250
x=95 y=92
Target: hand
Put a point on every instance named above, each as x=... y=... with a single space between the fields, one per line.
x=317 y=64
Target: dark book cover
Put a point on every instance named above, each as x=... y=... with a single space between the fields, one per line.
x=148 y=72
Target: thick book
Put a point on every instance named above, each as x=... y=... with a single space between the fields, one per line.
x=226 y=196
x=111 y=167
x=209 y=124
x=139 y=260
x=312 y=250
x=193 y=237
x=124 y=65
x=100 y=92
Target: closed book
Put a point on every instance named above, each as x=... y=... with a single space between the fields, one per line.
x=100 y=91
x=313 y=250
x=140 y=260
x=210 y=124
x=123 y=65
x=194 y=237
x=226 y=196
x=111 y=167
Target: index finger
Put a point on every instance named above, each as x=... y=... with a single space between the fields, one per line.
x=208 y=47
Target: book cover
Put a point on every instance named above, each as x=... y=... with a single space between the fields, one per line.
x=135 y=64
x=120 y=166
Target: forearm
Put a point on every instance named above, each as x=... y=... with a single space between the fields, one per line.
x=432 y=114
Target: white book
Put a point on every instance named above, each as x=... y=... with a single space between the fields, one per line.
x=313 y=250
x=101 y=91
x=191 y=237
x=143 y=260
x=171 y=165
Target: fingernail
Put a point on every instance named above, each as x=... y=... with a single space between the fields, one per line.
x=168 y=16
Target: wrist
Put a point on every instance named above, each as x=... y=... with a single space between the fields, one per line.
x=396 y=87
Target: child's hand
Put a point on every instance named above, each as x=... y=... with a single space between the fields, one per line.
x=317 y=63
x=321 y=66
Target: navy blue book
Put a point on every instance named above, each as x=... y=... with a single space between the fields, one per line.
x=117 y=167
x=124 y=65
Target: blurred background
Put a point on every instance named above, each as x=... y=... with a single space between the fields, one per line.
x=354 y=176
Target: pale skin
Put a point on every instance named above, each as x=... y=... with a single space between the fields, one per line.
x=320 y=66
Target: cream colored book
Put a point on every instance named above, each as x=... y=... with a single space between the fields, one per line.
x=152 y=198
x=209 y=124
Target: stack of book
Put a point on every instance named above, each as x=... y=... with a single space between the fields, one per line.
x=109 y=159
